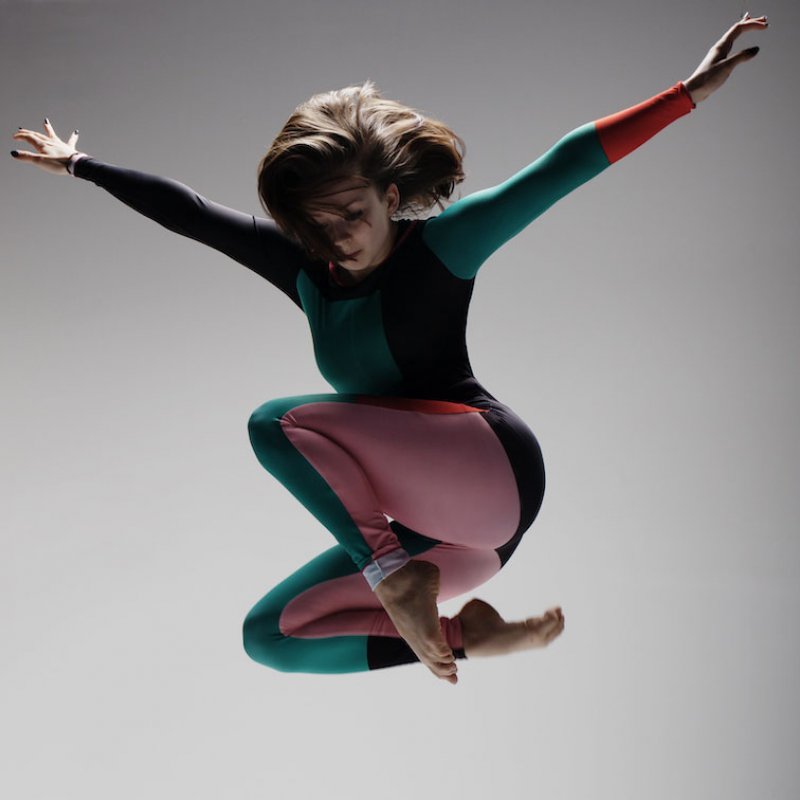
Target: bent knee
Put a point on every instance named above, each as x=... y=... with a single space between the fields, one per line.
x=266 y=415
x=264 y=644
x=265 y=431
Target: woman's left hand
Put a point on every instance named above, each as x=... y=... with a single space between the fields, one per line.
x=716 y=66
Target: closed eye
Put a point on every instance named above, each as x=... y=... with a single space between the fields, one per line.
x=351 y=217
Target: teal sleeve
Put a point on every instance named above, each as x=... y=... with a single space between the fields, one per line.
x=466 y=233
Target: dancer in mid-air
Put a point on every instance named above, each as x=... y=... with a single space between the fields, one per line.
x=427 y=481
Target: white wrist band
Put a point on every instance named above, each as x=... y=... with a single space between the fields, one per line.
x=72 y=160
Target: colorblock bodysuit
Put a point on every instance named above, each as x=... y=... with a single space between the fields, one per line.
x=410 y=456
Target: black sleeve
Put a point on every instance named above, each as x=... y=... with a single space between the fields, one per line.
x=255 y=242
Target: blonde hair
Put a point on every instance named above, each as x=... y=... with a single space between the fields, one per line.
x=355 y=133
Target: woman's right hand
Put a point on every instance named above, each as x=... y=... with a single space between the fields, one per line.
x=53 y=153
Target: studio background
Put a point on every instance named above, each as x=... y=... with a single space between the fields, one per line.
x=646 y=327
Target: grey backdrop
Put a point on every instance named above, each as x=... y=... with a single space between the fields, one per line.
x=646 y=327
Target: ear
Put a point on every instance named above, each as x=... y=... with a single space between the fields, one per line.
x=392 y=196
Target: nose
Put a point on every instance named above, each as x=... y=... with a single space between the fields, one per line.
x=338 y=234
x=341 y=237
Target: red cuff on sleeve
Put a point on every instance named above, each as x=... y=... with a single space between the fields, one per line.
x=626 y=130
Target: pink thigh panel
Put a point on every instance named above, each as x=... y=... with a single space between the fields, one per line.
x=442 y=472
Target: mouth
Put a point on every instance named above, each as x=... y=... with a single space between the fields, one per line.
x=351 y=256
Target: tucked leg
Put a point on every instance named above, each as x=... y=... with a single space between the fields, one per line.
x=325 y=619
x=354 y=459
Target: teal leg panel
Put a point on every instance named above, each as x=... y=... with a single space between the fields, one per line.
x=264 y=642
x=279 y=457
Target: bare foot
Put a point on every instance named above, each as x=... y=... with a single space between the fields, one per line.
x=486 y=633
x=409 y=597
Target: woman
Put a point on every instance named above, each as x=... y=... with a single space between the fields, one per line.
x=426 y=480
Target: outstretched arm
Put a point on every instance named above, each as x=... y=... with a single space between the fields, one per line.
x=255 y=242
x=468 y=232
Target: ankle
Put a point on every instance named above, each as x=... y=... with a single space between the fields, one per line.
x=402 y=581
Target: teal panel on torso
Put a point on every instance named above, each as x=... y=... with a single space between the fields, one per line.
x=350 y=344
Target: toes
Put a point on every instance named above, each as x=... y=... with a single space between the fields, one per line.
x=544 y=629
x=554 y=615
x=445 y=671
x=548 y=628
x=554 y=624
x=556 y=630
x=438 y=649
x=445 y=651
x=443 y=660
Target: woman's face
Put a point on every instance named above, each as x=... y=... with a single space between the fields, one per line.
x=364 y=232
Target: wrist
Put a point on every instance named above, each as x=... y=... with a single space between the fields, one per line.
x=72 y=160
x=690 y=88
